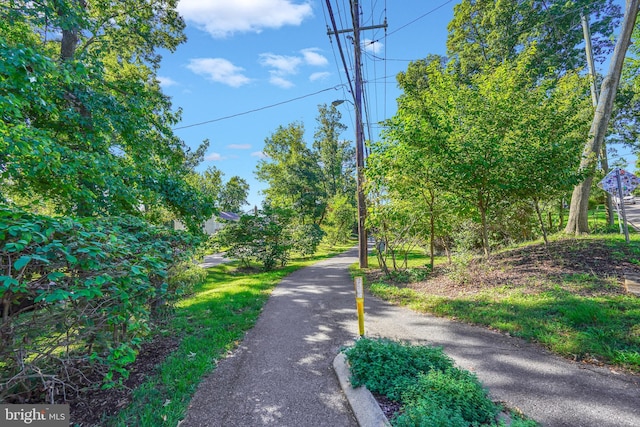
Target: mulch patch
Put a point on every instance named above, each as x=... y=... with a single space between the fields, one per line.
x=90 y=407
x=533 y=268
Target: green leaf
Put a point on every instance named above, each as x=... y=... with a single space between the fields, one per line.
x=21 y=262
x=54 y=275
x=57 y=295
x=7 y=281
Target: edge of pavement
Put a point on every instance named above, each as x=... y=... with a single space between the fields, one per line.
x=364 y=406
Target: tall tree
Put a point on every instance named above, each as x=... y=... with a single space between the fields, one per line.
x=233 y=194
x=293 y=174
x=487 y=32
x=85 y=124
x=626 y=115
x=501 y=135
x=335 y=157
x=577 y=222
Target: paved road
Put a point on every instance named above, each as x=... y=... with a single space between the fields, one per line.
x=633 y=214
x=281 y=374
x=213 y=260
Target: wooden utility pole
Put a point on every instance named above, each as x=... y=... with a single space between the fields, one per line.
x=362 y=207
x=357 y=96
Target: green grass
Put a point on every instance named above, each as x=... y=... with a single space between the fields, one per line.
x=210 y=323
x=424 y=380
x=564 y=315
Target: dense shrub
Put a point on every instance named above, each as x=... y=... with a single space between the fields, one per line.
x=306 y=238
x=384 y=366
x=77 y=295
x=264 y=237
x=431 y=390
x=341 y=220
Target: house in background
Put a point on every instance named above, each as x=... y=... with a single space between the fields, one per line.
x=213 y=224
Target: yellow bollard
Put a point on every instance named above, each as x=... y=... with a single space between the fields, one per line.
x=359 y=285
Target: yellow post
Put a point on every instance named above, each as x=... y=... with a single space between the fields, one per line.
x=359 y=284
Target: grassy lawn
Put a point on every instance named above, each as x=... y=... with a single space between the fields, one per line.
x=574 y=306
x=209 y=324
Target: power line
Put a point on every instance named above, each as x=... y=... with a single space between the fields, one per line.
x=335 y=31
x=259 y=109
x=419 y=17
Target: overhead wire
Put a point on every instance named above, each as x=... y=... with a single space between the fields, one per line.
x=336 y=87
x=335 y=30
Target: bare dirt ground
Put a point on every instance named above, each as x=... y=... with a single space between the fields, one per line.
x=91 y=407
x=533 y=267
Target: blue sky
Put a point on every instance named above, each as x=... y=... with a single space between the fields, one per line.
x=250 y=66
x=246 y=55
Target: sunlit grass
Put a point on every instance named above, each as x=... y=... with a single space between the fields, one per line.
x=562 y=315
x=210 y=323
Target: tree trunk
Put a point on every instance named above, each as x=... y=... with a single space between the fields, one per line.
x=604 y=161
x=432 y=246
x=577 y=222
x=485 y=232
x=544 y=229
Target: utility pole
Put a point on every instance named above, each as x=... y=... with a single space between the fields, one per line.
x=357 y=96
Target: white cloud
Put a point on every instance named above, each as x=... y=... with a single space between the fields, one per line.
x=239 y=146
x=213 y=157
x=312 y=57
x=372 y=46
x=166 y=81
x=280 y=81
x=222 y=18
x=219 y=70
x=282 y=65
x=322 y=75
x=259 y=154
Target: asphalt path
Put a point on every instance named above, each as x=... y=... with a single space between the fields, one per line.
x=213 y=260
x=633 y=215
x=281 y=373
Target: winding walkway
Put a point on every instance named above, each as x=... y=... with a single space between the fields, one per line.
x=281 y=374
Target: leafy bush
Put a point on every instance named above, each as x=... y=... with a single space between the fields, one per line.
x=409 y=275
x=454 y=390
x=306 y=238
x=78 y=295
x=183 y=276
x=423 y=379
x=341 y=220
x=268 y=237
x=386 y=367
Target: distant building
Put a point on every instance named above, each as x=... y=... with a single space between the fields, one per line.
x=213 y=224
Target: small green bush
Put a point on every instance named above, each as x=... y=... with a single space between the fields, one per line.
x=456 y=390
x=305 y=238
x=432 y=392
x=386 y=367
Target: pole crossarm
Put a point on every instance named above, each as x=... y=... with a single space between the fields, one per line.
x=351 y=30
